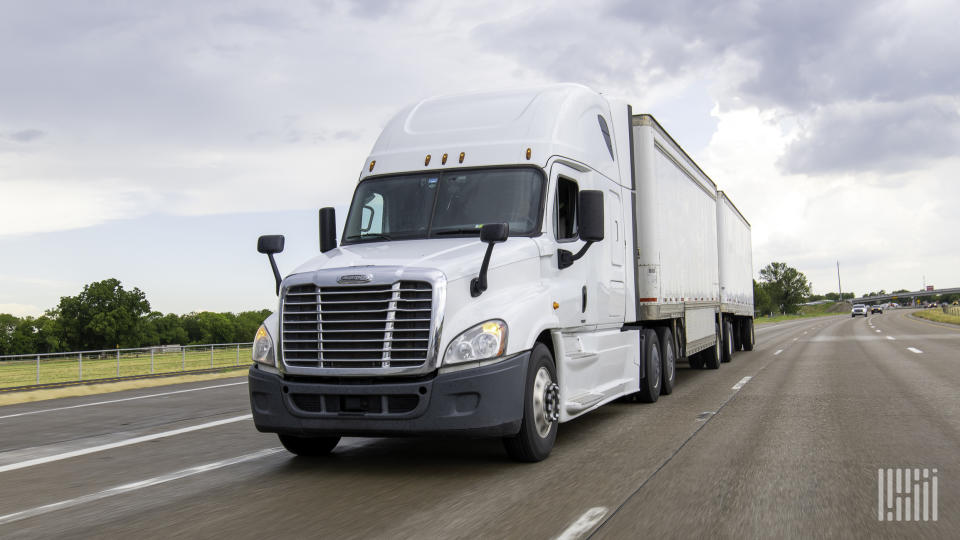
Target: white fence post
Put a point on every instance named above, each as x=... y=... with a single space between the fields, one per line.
x=151 y=360
x=183 y=358
x=238 y=354
x=118 y=362
x=80 y=366
x=38 y=369
x=211 y=356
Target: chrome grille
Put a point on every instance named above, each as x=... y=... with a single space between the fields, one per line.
x=366 y=326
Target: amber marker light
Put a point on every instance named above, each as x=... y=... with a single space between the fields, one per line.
x=556 y=305
x=372 y=163
x=443 y=160
x=426 y=161
x=462 y=155
x=528 y=153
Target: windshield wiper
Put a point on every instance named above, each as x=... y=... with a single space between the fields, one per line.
x=371 y=236
x=471 y=230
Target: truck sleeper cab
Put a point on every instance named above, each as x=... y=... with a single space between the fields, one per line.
x=495 y=278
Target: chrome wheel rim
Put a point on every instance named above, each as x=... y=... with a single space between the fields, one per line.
x=671 y=358
x=545 y=402
x=655 y=368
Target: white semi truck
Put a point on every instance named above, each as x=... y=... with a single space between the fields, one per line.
x=510 y=261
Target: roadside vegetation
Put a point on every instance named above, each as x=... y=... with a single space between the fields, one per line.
x=952 y=315
x=107 y=316
x=806 y=312
x=62 y=368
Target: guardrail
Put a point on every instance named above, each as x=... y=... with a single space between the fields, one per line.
x=80 y=366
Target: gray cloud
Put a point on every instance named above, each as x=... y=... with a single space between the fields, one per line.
x=27 y=135
x=858 y=60
x=879 y=137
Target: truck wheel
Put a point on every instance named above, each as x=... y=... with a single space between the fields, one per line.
x=309 y=446
x=650 y=385
x=668 y=360
x=747 y=338
x=727 y=341
x=711 y=356
x=541 y=410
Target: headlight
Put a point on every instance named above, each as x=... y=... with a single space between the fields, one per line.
x=263 y=347
x=484 y=341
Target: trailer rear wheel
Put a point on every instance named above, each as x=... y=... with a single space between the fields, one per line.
x=308 y=446
x=747 y=334
x=541 y=410
x=650 y=384
x=727 y=341
x=668 y=360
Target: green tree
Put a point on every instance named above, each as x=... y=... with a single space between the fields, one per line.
x=761 y=299
x=786 y=286
x=104 y=315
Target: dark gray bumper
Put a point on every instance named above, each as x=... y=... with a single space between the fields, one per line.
x=485 y=401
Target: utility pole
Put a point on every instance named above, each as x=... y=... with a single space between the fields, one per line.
x=839 y=287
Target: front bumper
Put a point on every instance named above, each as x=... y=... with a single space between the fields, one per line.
x=484 y=401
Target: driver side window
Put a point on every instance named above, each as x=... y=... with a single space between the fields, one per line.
x=565 y=210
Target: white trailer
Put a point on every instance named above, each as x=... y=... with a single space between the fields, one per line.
x=510 y=261
x=736 y=275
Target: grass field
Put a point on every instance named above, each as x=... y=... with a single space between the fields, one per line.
x=819 y=310
x=60 y=369
x=936 y=314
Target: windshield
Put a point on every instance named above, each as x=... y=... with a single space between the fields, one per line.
x=452 y=203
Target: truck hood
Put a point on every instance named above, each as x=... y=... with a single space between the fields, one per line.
x=455 y=257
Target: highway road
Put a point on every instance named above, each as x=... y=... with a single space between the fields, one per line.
x=784 y=441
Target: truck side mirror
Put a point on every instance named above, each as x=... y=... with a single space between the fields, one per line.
x=589 y=223
x=328 y=229
x=590 y=215
x=491 y=233
x=271 y=244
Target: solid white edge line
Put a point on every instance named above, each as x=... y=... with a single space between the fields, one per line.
x=914 y=350
x=118 y=444
x=126 y=488
x=120 y=400
x=583 y=524
x=742 y=382
x=778 y=352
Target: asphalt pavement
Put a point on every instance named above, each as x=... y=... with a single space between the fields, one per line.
x=784 y=441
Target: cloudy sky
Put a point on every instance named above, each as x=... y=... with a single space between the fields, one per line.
x=153 y=142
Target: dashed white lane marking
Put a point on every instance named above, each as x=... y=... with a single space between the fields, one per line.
x=583 y=524
x=742 y=382
x=878 y=331
x=914 y=350
x=118 y=444
x=120 y=400
x=127 y=488
x=795 y=339
x=891 y=338
x=778 y=352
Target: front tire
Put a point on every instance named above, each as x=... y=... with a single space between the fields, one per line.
x=309 y=446
x=541 y=410
x=650 y=384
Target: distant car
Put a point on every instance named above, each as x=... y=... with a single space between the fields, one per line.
x=876 y=309
x=858 y=309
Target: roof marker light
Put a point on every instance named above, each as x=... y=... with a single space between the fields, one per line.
x=372 y=163
x=462 y=155
x=426 y=161
x=443 y=160
x=528 y=153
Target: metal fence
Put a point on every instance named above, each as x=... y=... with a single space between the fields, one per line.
x=52 y=368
